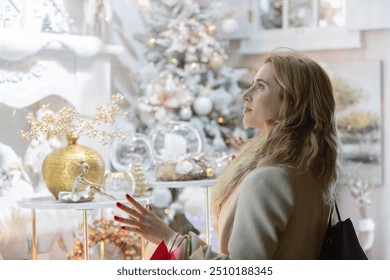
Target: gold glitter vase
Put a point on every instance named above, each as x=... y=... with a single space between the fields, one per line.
x=61 y=167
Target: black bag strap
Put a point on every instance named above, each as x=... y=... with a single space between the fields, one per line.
x=331 y=214
x=337 y=211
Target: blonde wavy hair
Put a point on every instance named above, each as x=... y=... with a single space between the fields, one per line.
x=305 y=137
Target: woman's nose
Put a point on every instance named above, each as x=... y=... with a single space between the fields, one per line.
x=246 y=95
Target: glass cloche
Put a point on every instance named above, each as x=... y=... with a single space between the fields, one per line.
x=135 y=148
x=172 y=140
x=118 y=184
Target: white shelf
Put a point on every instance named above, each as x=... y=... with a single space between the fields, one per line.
x=16 y=46
x=49 y=202
x=183 y=184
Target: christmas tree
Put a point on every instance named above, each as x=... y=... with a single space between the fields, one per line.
x=142 y=187
x=185 y=76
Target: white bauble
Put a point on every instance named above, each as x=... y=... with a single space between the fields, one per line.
x=193 y=200
x=162 y=197
x=229 y=25
x=194 y=210
x=194 y=206
x=186 y=113
x=194 y=67
x=202 y=106
x=184 y=167
x=161 y=114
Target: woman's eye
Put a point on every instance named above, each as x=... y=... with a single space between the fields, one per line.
x=260 y=86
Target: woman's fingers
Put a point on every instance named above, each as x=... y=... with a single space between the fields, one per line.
x=130 y=222
x=136 y=230
x=140 y=209
x=144 y=227
x=143 y=221
x=238 y=142
x=129 y=211
x=136 y=205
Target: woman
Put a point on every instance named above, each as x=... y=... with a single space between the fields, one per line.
x=272 y=201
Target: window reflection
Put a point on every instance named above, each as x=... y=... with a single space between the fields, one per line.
x=332 y=13
x=301 y=13
x=271 y=13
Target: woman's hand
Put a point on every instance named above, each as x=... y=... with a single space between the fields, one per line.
x=238 y=142
x=144 y=222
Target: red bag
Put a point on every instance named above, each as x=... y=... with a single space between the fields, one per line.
x=162 y=252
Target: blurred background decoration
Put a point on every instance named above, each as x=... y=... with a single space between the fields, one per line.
x=362 y=190
x=184 y=75
x=359 y=117
x=177 y=61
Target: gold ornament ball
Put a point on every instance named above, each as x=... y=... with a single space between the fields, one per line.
x=216 y=60
x=210 y=173
x=211 y=29
x=61 y=167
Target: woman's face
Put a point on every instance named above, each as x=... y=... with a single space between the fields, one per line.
x=262 y=101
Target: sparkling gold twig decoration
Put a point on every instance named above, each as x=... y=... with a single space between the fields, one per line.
x=68 y=122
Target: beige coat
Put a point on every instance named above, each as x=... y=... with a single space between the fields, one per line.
x=275 y=213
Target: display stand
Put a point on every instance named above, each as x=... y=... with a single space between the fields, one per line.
x=49 y=202
x=206 y=184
